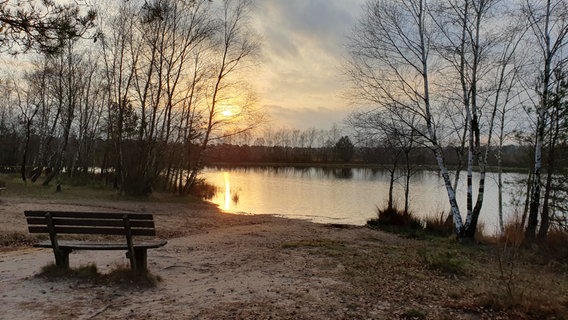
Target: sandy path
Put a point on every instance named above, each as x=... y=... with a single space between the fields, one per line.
x=219 y=267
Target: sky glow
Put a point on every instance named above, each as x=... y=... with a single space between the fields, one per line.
x=299 y=80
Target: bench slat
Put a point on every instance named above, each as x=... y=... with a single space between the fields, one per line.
x=89 y=215
x=92 y=230
x=91 y=222
x=76 y=245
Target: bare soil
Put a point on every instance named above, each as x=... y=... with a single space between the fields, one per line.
x=222 y=266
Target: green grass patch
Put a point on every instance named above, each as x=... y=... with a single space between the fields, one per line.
x=70 y=189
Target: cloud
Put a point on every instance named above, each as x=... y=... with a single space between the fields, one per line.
x=305 y=118
x=324 y=23
x=303 y=51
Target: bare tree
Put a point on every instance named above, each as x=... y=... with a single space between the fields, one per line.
x=28 y=112
x=380 y=128
x=235 y=45
x=120 y=56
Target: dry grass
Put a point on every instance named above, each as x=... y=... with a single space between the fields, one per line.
x=440 y=226
x=120 y=275
x=485 y=281
x=397 y=221
x=15 y=239
x=313 y=243
x=52 y=272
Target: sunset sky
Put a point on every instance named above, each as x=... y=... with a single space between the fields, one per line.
x=299 y=79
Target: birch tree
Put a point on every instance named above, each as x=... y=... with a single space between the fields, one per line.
x=391 y=67
x=427 y=57
x=548 y=21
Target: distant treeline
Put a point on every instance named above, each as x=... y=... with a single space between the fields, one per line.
x=101 y=157
x=513 y=156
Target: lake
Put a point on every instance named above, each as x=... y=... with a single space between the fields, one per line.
x=346 y=196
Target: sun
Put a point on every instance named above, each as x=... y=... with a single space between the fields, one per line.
x=227 y=113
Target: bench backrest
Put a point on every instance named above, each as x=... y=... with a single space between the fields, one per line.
x=100 y=223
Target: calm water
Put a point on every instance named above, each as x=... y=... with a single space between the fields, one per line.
x=348 y=196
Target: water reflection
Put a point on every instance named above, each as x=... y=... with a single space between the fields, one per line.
x=227 y=203
x=343 y=173
x=339 y=195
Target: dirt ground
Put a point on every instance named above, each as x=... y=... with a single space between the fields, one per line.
x=221 y=266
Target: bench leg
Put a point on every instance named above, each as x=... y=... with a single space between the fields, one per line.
x=62 y=258
x=140 y=255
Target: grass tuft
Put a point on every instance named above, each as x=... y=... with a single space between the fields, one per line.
x=439 y=226
x=203 y=190
x=121 y=276
x=513 y=234
x=448 y=262
x=53 y=272
x=397 y=221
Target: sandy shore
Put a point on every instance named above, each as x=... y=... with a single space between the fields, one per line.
x=222 y=266
x=215 y=266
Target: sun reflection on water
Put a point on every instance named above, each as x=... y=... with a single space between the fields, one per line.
x=227 y=204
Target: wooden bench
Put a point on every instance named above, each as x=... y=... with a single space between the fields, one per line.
x=128 y=225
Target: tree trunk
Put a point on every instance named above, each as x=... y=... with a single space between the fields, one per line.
x=390 y=203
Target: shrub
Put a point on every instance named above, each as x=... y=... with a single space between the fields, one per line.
x=203 y=190
x=397 y=221
x=556 y=245
x=394 y=217
x=513 y=235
